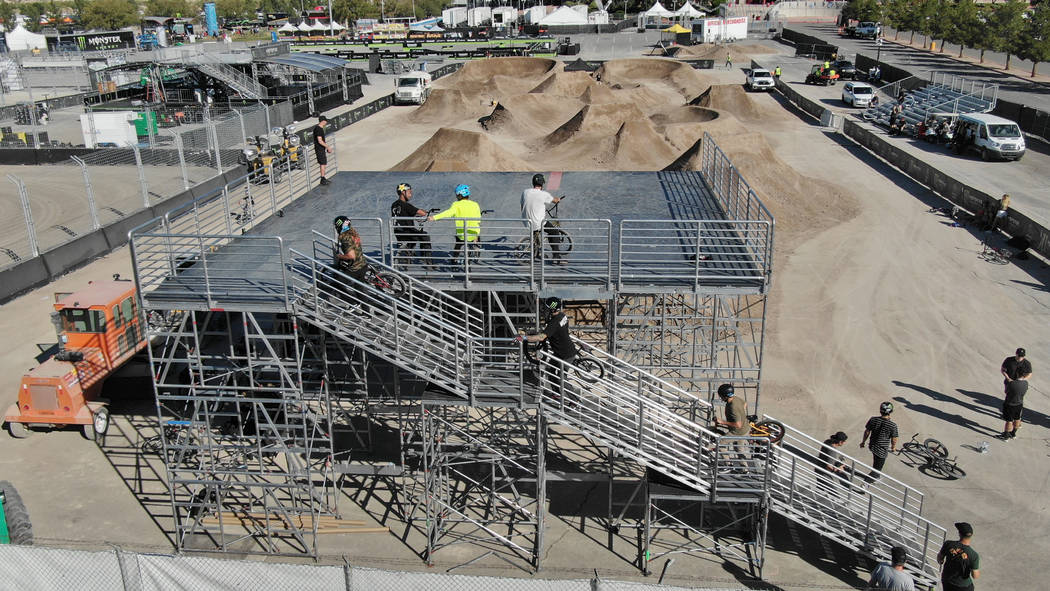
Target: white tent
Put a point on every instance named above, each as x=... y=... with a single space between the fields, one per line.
x=687 y=11
x=336 y=26
x=564 y=16
x=287 y=28
x=21 y=38
x=658 y=9
x=305 y=27
x=317 y=26
x=431 y=28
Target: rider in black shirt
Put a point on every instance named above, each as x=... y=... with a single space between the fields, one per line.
x=405 y=230
x=556 y=332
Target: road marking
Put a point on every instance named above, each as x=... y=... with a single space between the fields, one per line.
x=553 y=181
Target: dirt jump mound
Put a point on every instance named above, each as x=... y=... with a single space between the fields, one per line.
x=530 y=115
x=718 y=52
x=565 y=84
x=598 y=120
x=731 y=98
x=446 y=105
x=480 y=72
x=598 y=94
x=632 y=145
x=462 y=151
x=678 y=76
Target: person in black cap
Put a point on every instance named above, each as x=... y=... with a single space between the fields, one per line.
x=1016 y=370
x=960 y=563
x=890 y=576
x=831 y=466
x=883 y=433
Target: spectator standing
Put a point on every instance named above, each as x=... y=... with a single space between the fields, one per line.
x=883 y=433
x=729 y=61
x=960 y=563
x=1016 y=370
x=409 y=237
x=890 y=576
x=534 y=210
x=1000 y=212
x=468 y=229
x=321 y=147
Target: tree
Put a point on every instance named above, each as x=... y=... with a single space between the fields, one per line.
x=109 y=14
x=168 y=8
x=7 y=14
x=32 y=11
x=1006 y=23
x=234 y=9
x=967 y=26
x=1035 y=43
x=941 y=19
x=897 y=14
x=351 y=10
x=862 y=10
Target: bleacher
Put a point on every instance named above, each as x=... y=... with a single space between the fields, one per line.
x=942 y=94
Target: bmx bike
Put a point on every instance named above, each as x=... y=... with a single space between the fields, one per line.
x=585 y=367
x=555 y=237
x=932 y=458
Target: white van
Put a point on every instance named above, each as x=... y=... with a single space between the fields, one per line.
x=990 y=136
x=412 y=87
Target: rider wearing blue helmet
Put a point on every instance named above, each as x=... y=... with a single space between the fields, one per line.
x=468 y=230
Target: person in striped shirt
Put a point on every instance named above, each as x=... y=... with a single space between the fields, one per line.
x=883 y=434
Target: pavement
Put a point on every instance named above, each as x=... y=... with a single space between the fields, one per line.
x=1015 y=85
x=890 y=304
x=1024 y=180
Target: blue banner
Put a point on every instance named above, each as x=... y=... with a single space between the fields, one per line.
x=211 y=20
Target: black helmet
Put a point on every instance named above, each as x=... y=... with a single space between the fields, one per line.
x=538 y=180
x=725 y=390
x=553 y=305
x=339 y=221
x=886 y=408
x=403 y=187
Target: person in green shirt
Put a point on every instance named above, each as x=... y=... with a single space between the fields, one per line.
x=468 y=230
x=960 y=563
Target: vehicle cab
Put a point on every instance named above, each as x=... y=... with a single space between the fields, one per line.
x=993 y=137
x=412 y=87
x=759 y=79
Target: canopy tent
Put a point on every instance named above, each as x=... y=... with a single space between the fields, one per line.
x=336 y=26
x=687 y=11
x=288 y=28
x=305 y=27
x=564 y=15
x=658 y=9
x=676 y=28
x=21 y=38
x=317 y=26
x=426 y=28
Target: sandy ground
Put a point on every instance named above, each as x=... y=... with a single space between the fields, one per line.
x=873 y=297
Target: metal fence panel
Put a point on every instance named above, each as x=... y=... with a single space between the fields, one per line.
x=163 y=573
x=27 y=568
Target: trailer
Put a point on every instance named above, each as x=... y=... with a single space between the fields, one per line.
x=719 y=30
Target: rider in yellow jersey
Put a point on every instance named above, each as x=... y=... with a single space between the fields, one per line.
x=468 y=230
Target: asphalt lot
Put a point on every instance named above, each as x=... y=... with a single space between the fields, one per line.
x=1012 y=85
x=1025 y=180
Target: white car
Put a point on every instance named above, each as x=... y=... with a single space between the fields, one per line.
x=759 y=80
x=858 y=94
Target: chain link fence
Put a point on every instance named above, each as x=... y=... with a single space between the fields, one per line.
x=57 y=205
x=29 y=568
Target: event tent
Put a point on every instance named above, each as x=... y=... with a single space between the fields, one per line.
x=564 y=16
x=288 y=28
x=657 y=9
x=687 y=11
x=305 y=27
x=336 y=26
x=21 y=38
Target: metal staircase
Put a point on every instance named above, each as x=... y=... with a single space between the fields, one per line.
x=234 y=78
x=642 y=417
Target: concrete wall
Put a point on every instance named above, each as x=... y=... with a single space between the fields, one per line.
x=961 y=194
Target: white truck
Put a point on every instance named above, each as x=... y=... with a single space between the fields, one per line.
x=758 y=79
x=867 y=30
x=412 y=87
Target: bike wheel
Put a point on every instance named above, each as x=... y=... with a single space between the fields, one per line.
x=588 y=369
x=566 y=241
x=946 y=469
x=523 y=249
x=151 y=445
x=937 y=449
x=774 y=430
x=390 y=284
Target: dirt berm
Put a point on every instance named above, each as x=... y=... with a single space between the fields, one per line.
x=461 y=151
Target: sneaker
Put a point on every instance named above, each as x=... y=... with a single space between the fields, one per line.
x=1013 y=434
x=1005 y=436
x=325 y=181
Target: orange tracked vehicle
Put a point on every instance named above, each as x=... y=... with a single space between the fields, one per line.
x=99 y=329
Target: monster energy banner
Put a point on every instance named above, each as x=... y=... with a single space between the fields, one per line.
x=91 y=41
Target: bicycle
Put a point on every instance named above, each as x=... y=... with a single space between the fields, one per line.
x=175 y=434
x=991 y=254
x=391 y=284
x=933 y=455
x=554 y=234
x=774 y=430
x=585 y=367
x=423 y=251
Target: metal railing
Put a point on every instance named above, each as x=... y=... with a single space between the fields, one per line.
x=693 y=252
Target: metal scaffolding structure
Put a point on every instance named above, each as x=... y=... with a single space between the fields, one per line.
x=293 y=384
